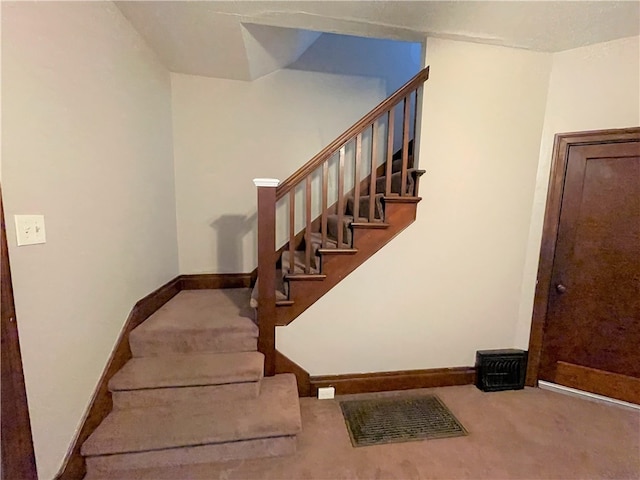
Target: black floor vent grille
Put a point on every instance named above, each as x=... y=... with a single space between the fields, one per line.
x=501 y=369
x=402 y=419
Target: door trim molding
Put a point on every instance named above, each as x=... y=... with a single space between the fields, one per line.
x=18 y=458
x=560 y=155
x=554 y=387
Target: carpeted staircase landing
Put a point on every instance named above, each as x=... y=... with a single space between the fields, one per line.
x=194 y=391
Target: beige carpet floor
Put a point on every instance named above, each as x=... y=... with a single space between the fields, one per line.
x=526 y=434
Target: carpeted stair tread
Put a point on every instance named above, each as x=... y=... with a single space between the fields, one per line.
x=299 y=262
x=316 y=241
x=396 y=182
x=281 y=295
x=306 y=277
x=221 y=309
x=194 y=321
x=347 y=220
x=188 y=370
x=396 y=164
x=281 y=291
x=333 y=228
x=363 y=200
x=275 y=412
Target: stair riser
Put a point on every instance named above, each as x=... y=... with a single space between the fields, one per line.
x=259 y=448
x=399 y=216
x=168 y=396
x=205 y=341
x=332 y=232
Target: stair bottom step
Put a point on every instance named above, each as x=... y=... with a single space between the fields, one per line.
x=221 y=452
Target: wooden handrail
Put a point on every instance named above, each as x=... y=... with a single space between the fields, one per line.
x=357 y=128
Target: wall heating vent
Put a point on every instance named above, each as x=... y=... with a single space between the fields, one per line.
x=500 y=369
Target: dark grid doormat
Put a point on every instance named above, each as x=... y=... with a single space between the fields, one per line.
x=403 y=419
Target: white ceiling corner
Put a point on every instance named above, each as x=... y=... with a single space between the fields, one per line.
x=244 y=40
x=191 y=37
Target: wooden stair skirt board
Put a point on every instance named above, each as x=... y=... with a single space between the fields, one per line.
x=368 y=238
x=375 y=382
x=355 y=215
x=102 y=401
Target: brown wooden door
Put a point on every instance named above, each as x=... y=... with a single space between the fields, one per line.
x=592 y=330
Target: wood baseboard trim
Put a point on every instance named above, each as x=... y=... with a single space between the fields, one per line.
x=388 y=381
x=375 y=382
x=218 y=280
x=74 y=467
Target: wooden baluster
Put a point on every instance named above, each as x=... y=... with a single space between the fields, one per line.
x=374 y=163
x=356 y=179
x=307 y=231
x=292 y=231
x=405 y=144
x=340 y=196
x=415 y=132
x=267 y=272
x=390 y=120
x=325 y=201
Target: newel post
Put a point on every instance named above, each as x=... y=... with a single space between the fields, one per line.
x=267 y=271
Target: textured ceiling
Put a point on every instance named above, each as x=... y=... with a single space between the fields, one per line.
x=234 y=40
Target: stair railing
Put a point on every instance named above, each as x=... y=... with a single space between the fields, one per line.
x=270 y=192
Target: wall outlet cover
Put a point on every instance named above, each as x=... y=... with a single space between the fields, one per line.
x=326 y=393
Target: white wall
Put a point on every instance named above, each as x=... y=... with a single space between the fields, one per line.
x=86 y=141
x=227 y=132
x=591 y=88
x=394 y=61
x=450 y=284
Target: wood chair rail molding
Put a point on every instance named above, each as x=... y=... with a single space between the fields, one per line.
x=559 y=160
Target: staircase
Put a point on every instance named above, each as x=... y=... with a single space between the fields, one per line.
x=298 y=286
x=341 y=207
x=194 y=391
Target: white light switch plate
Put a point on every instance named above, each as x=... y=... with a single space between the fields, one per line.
x=30 y=229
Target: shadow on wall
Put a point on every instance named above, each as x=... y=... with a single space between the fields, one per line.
x=392 y=60
x=231 y=234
